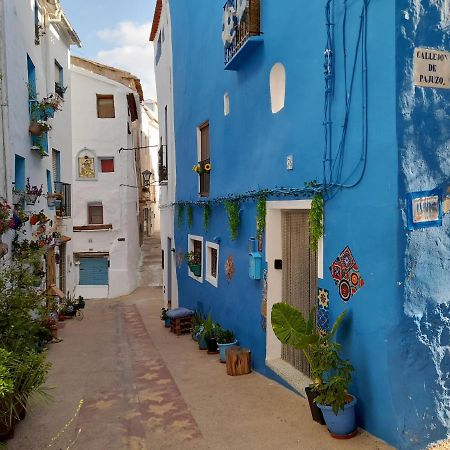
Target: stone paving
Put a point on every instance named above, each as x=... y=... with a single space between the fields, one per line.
x=123 y=381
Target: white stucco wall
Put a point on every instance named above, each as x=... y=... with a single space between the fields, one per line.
x=117 y=191
x=164 y=76
x=18 y=41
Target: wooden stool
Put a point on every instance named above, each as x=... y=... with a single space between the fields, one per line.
x=182 y=325
x=238 y=361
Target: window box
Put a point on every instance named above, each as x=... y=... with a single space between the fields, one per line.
x=194 y=257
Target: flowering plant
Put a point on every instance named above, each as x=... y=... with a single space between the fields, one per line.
x=33 y=190
x=45 y=126
x=5 y=214
x=192 y=258
x=50 y=102
x=202 y=168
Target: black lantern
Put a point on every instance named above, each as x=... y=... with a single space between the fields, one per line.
x=146 y=175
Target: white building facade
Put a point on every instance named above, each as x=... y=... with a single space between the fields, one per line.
x=106 y=130
x=34 y=63
x=161 y=37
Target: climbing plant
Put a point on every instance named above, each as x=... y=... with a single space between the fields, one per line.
x=316 y=221
x=180 y=214
x=190 y=215
x=260 y=216
x=206 y=216
x=232 y=208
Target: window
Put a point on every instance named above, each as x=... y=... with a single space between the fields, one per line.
x=204 y=153
x=107 y=165
x=95 y=214
x=49 y=182
x=212 y=263
x=277 y=87
x=105 y=106
x=31 y=79
x=19 y=173
x=56 y=165
x=59 y=79
x=195 y=244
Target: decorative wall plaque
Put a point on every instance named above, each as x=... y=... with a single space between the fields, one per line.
x=431 y=68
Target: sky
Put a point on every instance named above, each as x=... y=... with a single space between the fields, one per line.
x=116 y=33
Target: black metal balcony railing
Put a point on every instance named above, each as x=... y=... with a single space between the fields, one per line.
x=250 y=25
x=64 y=204
x=162 y=164
x=205 y=178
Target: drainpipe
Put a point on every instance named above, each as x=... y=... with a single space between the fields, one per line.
x=4 y=170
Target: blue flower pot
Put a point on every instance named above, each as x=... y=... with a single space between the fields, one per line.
x=49 y=112
x=223 y=350
x=202 y=344
x=344 y=423
x=167 y=322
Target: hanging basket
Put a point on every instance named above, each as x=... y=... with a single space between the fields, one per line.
x=18 y=197
x=30 y=199
x=196 y=269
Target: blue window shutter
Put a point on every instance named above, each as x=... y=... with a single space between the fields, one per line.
x=93 y=271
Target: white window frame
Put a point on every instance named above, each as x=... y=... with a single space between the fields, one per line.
x=191 y=239
x=208 y=275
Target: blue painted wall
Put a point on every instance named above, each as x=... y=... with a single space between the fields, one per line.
x=398 y=377
x=422 y=341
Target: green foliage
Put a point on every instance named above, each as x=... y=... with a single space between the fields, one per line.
x=192 y=258
x=330 y=373
x=164 y=313
x=180 y=214
x=206 y=216
x=232 y=208
x=209 y=328
x=6 y=378
x=316 y=221
x=225 y=336
x=260 y=216
x=190 y=216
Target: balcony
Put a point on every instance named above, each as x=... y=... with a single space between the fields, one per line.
x=204 y=178
x=247 y=32
x=163 y=172
x=63 y=204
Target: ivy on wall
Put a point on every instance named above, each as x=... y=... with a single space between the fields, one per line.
x=190 y=216
x=316 y=221
x=206 y=216
x=260 y=216
x=180 y=214
x=232 y=208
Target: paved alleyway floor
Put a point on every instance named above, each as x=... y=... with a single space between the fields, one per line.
x=123 y=381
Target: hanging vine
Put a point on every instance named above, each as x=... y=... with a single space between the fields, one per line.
x=180 y=214
x=190 y=216
x=260 y=216
x=206 y=216
x=316 y=221
x=232 y=208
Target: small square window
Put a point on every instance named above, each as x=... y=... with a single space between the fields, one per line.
x=107 y=165
x=95 y=214
x=105 y=106
x=212 y=263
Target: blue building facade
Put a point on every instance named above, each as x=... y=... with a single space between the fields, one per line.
x=324 y=100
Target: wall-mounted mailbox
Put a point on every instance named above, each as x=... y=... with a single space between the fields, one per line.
x=255 y=266
x=278 y=264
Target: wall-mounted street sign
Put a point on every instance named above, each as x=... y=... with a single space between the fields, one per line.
x=431 y=68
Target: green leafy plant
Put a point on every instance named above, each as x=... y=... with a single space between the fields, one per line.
x=180 y=214
x=232 y=208
x=260 y=216
x=164 y=313
x=330 y=373
x=206 y=215
x=225 y=336
x=190 y=216
x=192 y=258
x=209 y=328
x=316 y=221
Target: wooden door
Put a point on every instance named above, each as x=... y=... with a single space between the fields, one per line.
x=299 y=275
x=50 y=267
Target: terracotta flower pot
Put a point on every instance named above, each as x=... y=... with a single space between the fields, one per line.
x=35 y=129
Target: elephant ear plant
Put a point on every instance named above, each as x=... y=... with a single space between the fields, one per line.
x=331 y=375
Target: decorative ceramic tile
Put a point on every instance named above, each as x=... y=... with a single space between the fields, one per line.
x=322 y=333
x=323 y=319
x=86 y=167
x=346 y=275
x=229 y=268
x=323 y=298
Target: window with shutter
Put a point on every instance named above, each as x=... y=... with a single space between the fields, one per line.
x=95 y=214
x=105 y=106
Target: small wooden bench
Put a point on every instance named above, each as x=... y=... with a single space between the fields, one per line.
x=180 y=320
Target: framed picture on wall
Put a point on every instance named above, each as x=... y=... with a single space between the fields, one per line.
x=424 y=209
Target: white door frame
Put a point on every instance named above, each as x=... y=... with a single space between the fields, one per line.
x=273 y=241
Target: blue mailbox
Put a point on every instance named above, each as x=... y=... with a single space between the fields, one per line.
x=255 y=266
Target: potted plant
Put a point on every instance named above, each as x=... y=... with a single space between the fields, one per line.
x=18 y=197
x=331 y=375
x=38 y=127
x=197 y=321
x=165 y=318
x=6 y=394
x=209 y=335
x=5 y=214
x=194 y=263
x=32 y=193
x=225 y=340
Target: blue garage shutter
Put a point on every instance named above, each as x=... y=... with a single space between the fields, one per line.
x=94 y=271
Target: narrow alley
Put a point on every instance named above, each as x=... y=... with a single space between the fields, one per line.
x=119 y=382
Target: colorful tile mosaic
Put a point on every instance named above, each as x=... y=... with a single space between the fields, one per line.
x=346 y=275
x=323 y=319
x=323 y=298
x=323 y=303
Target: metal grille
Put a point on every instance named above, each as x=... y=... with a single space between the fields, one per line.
x=198 y=249
x=213 y=262
x=64 y=206
x=299 y=275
